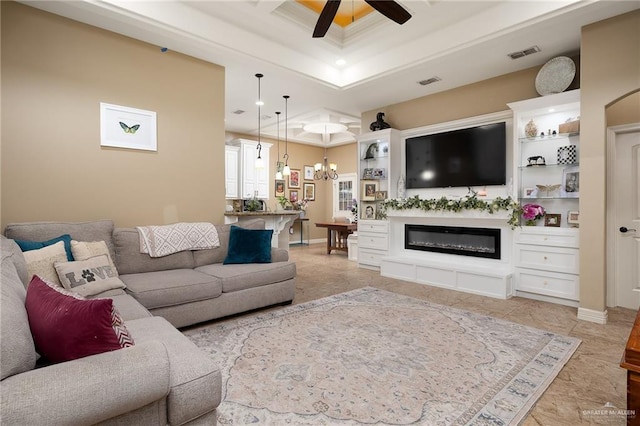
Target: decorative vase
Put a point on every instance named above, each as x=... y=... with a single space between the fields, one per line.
x=401 y=187
x=531 y=130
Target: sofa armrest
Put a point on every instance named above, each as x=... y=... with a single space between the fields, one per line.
x=279 y=255
x=87 y=390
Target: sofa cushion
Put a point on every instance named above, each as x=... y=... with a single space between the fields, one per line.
x=88 y=277
x=100 y=230
x=9 y=247
x=66 y=326
x=82 y=250
x=129 y=260
x=249 y=246
x=169 y=288
x=41 y=262
x=241 y=277
x=17 y=351
x=194 y=379
x=35 y=245
x=217 y=255
x=129 y=307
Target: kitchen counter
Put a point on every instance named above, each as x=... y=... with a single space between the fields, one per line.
x=279 y=221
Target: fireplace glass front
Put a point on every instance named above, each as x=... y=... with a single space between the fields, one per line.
x=477 y=242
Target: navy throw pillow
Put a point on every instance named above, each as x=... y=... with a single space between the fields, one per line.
x=35 y=245
x=249 y=246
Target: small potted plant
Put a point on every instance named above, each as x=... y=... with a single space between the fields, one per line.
x=284 y=202
x=531 y=213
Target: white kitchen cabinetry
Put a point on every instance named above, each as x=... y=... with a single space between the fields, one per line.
x=378 y=174
x=231 y=171
x=253 y=181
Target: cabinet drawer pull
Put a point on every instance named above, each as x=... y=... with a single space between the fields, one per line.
x=545 y=258
x=545 y=283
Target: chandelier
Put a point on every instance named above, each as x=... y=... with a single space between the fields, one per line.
x=325 y=170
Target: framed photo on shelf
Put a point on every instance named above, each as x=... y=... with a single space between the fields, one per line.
x=367 y=173
x=369 y=188
x=381 y=195
x=309 y=191
x=552 y=219
x=293 y=196
x=369 y=211
x=279 y=188
x=573 y=218
x=570 y=182
x=379 y=173
x=530 y=192
x=294 y=178
x=308 y=172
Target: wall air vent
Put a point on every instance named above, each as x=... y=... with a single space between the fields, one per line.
x=239 y=111
x=429 y=81
x=523 y=53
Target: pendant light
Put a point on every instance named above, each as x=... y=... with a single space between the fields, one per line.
x=287 y=170
x=279 y=163
x=259 y=160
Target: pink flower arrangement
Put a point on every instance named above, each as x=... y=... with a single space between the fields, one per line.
x=532 y=212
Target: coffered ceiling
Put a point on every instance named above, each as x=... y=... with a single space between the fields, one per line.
x=460 y=42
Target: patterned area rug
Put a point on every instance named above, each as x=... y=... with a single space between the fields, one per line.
x=377 y=358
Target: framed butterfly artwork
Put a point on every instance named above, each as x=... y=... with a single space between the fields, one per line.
x=125 y=127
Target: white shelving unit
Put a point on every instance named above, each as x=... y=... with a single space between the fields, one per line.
x=546 y=172
x=378 y=173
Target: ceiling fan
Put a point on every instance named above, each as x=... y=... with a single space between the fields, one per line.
x=388 y=8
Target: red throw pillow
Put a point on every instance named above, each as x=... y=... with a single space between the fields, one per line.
x=66 y=326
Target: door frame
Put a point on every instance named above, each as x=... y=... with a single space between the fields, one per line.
x=334 y=189
x=611 y=210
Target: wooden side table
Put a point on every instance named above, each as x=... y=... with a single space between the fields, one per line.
x=337 y=234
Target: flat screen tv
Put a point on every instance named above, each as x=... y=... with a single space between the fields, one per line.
x=474 y=156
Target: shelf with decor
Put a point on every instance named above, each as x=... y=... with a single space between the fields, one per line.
x=378 y=173
x=546 y=178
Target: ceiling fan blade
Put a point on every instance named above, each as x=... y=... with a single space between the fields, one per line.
x=391 y=10
x=326 y=18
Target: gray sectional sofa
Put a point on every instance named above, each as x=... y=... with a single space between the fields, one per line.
x=164 y=378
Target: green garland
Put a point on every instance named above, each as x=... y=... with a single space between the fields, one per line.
x=469 y=202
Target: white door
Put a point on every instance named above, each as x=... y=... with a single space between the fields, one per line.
x=624 y=219
x=344 y=192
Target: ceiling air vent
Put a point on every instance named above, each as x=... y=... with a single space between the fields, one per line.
x=523 y=53
x=429 y=81
x=239 y=111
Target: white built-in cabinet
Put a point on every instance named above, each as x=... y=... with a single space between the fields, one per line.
x=253 y=181
x=378 y=173
x=232 y=171
x=546 y=172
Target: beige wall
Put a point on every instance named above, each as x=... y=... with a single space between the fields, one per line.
x=479 y=98
x=55 y=72
x=610 y=70
x=625 y=111
x=301 y=155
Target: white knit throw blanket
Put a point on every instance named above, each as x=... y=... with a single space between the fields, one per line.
x=158 y=241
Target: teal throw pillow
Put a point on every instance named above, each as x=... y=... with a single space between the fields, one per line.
x=35 y=245
x=249 y=246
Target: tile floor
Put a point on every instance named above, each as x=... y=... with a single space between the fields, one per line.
x=588 y=381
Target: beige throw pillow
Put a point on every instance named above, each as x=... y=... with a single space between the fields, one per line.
x=40 y=262
x=83 y=250
x=89 y=277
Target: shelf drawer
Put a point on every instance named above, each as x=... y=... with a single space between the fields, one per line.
x=556 y=259
x=373 y=241
x=370 y=257
x=556 y=237
x=377 y=226
x=565 y=286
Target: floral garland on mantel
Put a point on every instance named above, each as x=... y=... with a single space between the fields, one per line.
x=469 y=202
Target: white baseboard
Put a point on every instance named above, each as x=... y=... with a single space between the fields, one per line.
x=599 y=317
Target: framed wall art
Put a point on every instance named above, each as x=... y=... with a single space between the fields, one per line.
x=293 y=196
x=369 y=211
x=125 y=127
x=294 y=179
x=279 y=186
x=308 y=172
x=570 y=182
x=309 y=191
